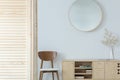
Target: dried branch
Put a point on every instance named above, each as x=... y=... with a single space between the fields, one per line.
x=109 y=39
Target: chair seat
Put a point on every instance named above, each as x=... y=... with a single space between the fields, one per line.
x=49 y=69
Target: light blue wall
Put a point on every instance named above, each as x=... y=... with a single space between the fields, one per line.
x=56 y=33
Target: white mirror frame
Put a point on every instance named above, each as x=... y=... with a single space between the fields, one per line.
x=85 y=15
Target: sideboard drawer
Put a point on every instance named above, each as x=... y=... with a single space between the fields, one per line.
x=98 y=64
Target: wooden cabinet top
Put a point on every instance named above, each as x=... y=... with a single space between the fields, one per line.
x=91 y=60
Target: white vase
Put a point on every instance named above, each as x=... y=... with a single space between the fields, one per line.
x=112 y=53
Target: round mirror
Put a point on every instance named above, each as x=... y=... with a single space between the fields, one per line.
x=85 y=15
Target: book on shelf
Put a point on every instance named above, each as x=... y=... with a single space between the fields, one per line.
x=88 y=71
x=85 y=67
x=79 y=77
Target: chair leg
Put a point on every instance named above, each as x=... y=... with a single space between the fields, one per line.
x=41 y=76
x=57 y=75
x=53 y=75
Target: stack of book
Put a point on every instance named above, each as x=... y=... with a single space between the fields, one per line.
x=88 y=71
x=85 y=67
x=79 y=77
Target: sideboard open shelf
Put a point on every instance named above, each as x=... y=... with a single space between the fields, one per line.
x=83 y=70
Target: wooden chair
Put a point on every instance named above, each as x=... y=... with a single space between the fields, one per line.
x=47 y=56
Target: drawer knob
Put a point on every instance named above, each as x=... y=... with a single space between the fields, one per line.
x=118 y=64
x=118 y=73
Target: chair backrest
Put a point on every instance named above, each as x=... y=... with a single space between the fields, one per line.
x=47 y=56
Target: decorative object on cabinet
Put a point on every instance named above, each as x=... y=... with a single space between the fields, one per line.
x=98 y=70
x=110 y=40
x=85 y=15
x=48 y=56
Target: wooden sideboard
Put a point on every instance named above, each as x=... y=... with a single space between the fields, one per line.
x=91 y=69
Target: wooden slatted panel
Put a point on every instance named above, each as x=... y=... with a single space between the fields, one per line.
x=13 y=40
